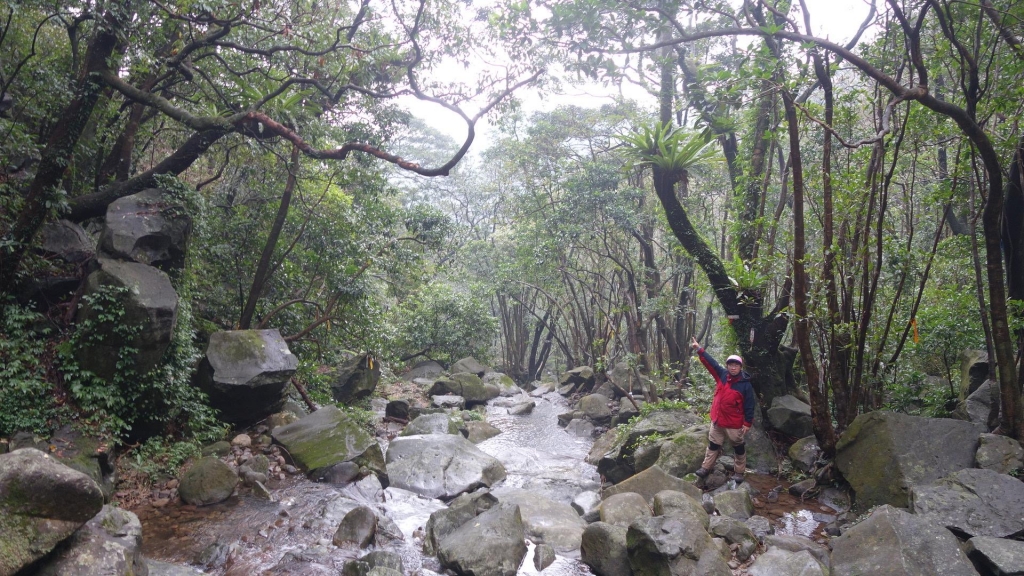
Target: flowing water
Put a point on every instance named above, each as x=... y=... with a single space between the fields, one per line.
x=292 y=535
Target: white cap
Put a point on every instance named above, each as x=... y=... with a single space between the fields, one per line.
x=734 y=358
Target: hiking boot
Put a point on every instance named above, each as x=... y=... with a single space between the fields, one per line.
x=702 y=473
x=737 y=478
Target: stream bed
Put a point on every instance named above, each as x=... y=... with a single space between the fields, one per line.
x=292 y=534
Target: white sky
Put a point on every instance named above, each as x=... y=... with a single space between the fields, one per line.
x=833 y=19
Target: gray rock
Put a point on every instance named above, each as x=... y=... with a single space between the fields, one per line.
x=461 y=510
x=612 y=452
x=355 y=379
x=673 y=546
x=999 y=453
x=467 y=385
x=974 y=502
x=683 y=452
x=384 y=559
x=158 y=568
x=329 y=437
x=977 y=408
x=245 y=373
x=882 y=455
x=760 y=526
x=470 y=365
x=150 y=304
x=66 y=240
x=678 y=504
x=779 y=562
x=893 y=542
x=544 y=520
x=650 y=482
x=426 y=369
x=791 y=416
x=580 y=427
x=448 y=401
x=626 y=411
x=734 y=532
x=543 y=556
x=109 y=544
x=973 y=371
x=804 y=453
x=1000 y=556
x=622 y=509
x=208 y=481
x=579 y=379
x=797 y=544
x=586 y=501
x=150 y=227
x=440 y=466
x=432 y=424
x=357 y=528
x=522 y=408
x=803 y=487
x=480 y=430
x=595 y=407
x=218 y=449
x=506 y=385
x=491 y=545
x=604 y=549
x=735 y=504
x=42 y=502
x=282 y=418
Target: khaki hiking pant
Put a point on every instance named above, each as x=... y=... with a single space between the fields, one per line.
x=716 y=437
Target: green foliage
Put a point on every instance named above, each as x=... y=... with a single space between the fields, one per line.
x=28 y=399
x=445 y=323
x=161 y=457
x=672 y=149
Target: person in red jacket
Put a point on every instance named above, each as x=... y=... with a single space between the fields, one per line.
x=732 y=411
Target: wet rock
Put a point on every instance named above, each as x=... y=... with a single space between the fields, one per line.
x=467 y=385
x=622 y=509
x=329 y=437
x=543 y=556
x=581 y=428
x=491 y=545
x=650 y=482
x=576 y=380
x=355 y=379
x=65 y=240
x=735 y=504
x=566 y=417
x=612 y=452
x=974 y=502
x=480 y=430
x=673 y=546
x=110 y=544
x=440 y=466
x=791 y=416
x=760 y=526
x=586 y=501
x=681 y=505
x=151 y=227
x=357 y=528
x=522 y=408
x=245 y=373
x=431 y=424
x=803 y=487
x=779 y=562
x=999 y=453
x=893 y=542
x=604 y=549
x=42 y=502
x=998 y=555
x=448 y=401
x=260 y=491
x=506 y=385
x=426 y=369
x=797 y=544
x=882 y=454
x=150 y=303
x=544 y=520
x=208 y=481
x=158 y=568
x=470 y=365
x=804 y=453
x=461 y=510
x=626 y=411
x=683 y=452
x=734 y=532
x=282 y=418
x=595 y=407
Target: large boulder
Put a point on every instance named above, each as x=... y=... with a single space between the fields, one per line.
x=779 y=562
x=506 y=385
x=464 y=508
x=973 y=371
x=470 y=365
x=736 y=533
x=595 y=407
x=576 y=380
x=673 y=546
x=355 y=379
x=480 y=430
x=683 y=452
x=651 y=481
x=798 y=544
x=612 y=452
x=150 y=306
x=805 y=453
x=997 y=555
x=603 y=548
x=440 y=465
x=679 y=504
x=66 y=240
x=977 y=408
x=491 y=545
x=467 y=385
x=109 y=544
x=883 y=455
x=42 y=502
x=208 y=481
x=622 y=509
x=544 y=520
x=150 y=227
x=1000 y=453
x=245 y=373
x=973 y=502
x=328 y=438
x=894 y=542
x=791 y=416
x=426 y=369
x=441 y=423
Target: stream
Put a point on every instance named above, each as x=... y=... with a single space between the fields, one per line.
x=292 y=535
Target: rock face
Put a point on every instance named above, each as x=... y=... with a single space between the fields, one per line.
x=544 y=520
x=667 y=545
x=208 y=481
x=245 y=373
x=604 y=549
x=791 y=416
x=109 y=544
x=67 y=240
x=150 y=304
x=328 y=437
x=150 y=227
x=998 y=555
x=42 y=502
x=893 y=542
x=973 y=502
x=882 y=455
x=356 y=379
x=440 y=466
x=491 y=545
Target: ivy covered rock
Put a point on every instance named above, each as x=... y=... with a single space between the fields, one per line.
x=42 y=502
x=329 y=437
x=245 y=372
